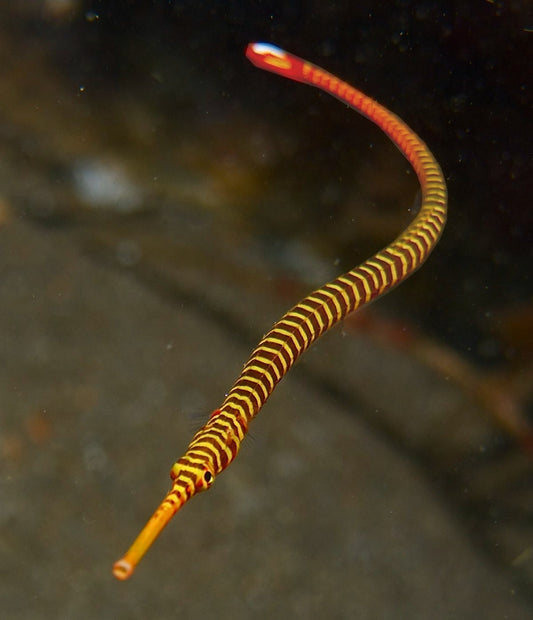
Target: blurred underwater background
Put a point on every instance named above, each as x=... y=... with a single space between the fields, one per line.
x=162 y=204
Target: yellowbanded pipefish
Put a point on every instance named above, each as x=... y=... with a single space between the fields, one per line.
x=217 y=443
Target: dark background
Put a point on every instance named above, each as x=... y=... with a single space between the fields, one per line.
x=458 y=73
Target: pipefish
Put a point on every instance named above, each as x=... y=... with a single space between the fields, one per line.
x=217 y=443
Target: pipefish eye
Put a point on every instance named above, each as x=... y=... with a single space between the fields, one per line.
x=208 y=478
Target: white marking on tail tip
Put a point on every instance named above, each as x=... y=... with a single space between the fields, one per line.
x=268 y=48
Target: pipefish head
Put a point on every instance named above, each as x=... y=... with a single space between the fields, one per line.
x=192 y=474
x=211 y=450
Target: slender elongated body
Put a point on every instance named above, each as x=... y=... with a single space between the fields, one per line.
x=216 y=444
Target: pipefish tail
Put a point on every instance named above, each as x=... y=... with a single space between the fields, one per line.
x=217 y=443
